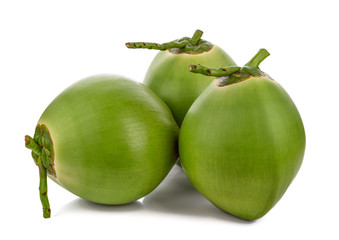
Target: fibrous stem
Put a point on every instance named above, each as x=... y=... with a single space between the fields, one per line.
x=216 y=72
x=43 y=189
x=193 y=45
x=157 y=46
x=258 y=58
x=40 y=155
x=196 y=37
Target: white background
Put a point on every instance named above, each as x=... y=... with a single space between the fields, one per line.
x=47 y=45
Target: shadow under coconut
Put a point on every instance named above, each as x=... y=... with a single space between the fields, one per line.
x=176 y=195
x=79 y=205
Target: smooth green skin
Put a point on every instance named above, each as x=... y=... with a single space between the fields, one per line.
x=114 y=139
x=241 y=145
x=168 y=76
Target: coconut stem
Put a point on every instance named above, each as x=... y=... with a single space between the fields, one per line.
x=216 y=72
x=43 y=189
x=193 y=45
x=258 y=58
x=157 y=46
x=196 y=37
x=165 y=46
x=30 y=143
x=40 y=153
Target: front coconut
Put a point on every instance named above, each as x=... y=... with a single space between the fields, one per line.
x=114 y=140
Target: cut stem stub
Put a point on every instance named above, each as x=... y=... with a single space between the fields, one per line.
x=258 y=58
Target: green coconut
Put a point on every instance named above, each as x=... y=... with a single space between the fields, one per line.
x=242 y=142
x=106 y=139
x=168 y=77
